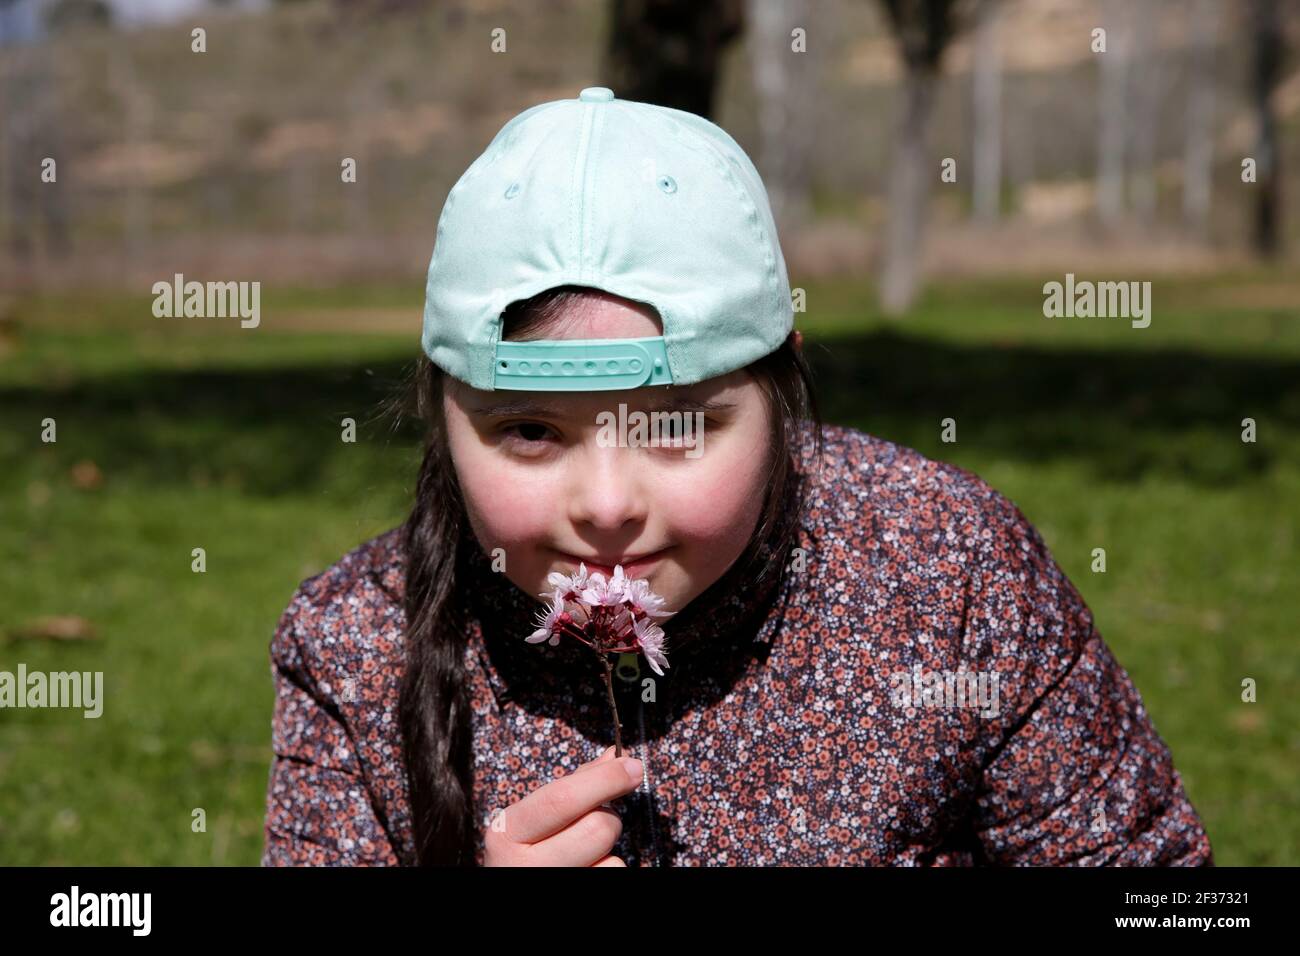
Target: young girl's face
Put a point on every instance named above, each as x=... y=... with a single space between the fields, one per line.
x=539 y=485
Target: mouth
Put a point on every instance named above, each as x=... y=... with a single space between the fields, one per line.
x=634 y=566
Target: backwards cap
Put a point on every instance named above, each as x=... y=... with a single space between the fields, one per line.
x=645 y=202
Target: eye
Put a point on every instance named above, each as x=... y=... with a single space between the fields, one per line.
x=525 y=436
x=678 y=434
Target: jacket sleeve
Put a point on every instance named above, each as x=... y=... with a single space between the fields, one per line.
x=318 y=808
x=1075 y=772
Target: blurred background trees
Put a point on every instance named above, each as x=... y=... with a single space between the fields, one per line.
x=924 y=29
x=1062 y=147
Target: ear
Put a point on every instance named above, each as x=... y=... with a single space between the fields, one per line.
x=797 y=337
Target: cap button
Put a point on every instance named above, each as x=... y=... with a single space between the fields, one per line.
x=596 y=94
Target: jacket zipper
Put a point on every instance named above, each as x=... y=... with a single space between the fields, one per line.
x=629 y=671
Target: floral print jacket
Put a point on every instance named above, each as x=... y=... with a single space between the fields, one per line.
x=923 y=686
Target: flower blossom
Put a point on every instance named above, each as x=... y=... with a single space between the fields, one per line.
x=610 y=615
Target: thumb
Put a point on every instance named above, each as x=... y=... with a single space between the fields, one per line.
x=605 y=757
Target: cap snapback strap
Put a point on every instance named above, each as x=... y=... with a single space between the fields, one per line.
x=581 y=365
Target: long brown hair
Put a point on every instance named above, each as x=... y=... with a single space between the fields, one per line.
x=434 y=712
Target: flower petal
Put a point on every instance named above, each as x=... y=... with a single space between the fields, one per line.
x=656 y=658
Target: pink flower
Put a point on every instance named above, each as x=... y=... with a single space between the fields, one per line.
x=615 y=619
x=614 y=615
x=571 y=584
x=641 y=598
x=549 y=624
x=650 y=638
x=602 y=593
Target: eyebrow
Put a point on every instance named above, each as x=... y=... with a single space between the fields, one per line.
x=529 y=406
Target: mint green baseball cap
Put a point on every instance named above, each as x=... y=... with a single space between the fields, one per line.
x=645 y=202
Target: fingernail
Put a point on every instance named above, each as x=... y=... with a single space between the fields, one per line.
x=633 y=768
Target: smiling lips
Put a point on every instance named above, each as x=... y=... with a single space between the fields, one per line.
x=631 y=568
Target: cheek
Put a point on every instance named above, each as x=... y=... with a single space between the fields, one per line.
x=506 y=511
x=503 y=509
x=720 y=503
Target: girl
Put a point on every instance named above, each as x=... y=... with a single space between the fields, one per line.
x=874 y=658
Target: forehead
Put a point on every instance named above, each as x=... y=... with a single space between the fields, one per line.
x=600 y=315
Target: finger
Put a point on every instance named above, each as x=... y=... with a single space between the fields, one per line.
x=610 y=861
x=583 y=842
x=551 y=808
x=606 y=755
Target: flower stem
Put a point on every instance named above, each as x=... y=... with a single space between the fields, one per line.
x=609 y=689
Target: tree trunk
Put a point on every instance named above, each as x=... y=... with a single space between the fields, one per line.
x=1198 y=152
x=1267 y=67
x=785 y=89
x=987 y=85
x=136 y=131
x=1146 y=95
x=667 y=52
x=909 y=183
x=1111 y=124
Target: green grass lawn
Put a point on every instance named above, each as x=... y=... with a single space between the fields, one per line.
x=210 y=436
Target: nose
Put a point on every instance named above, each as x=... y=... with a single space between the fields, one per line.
x=607 y=491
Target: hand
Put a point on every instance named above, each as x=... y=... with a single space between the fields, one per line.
x=566 y=822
